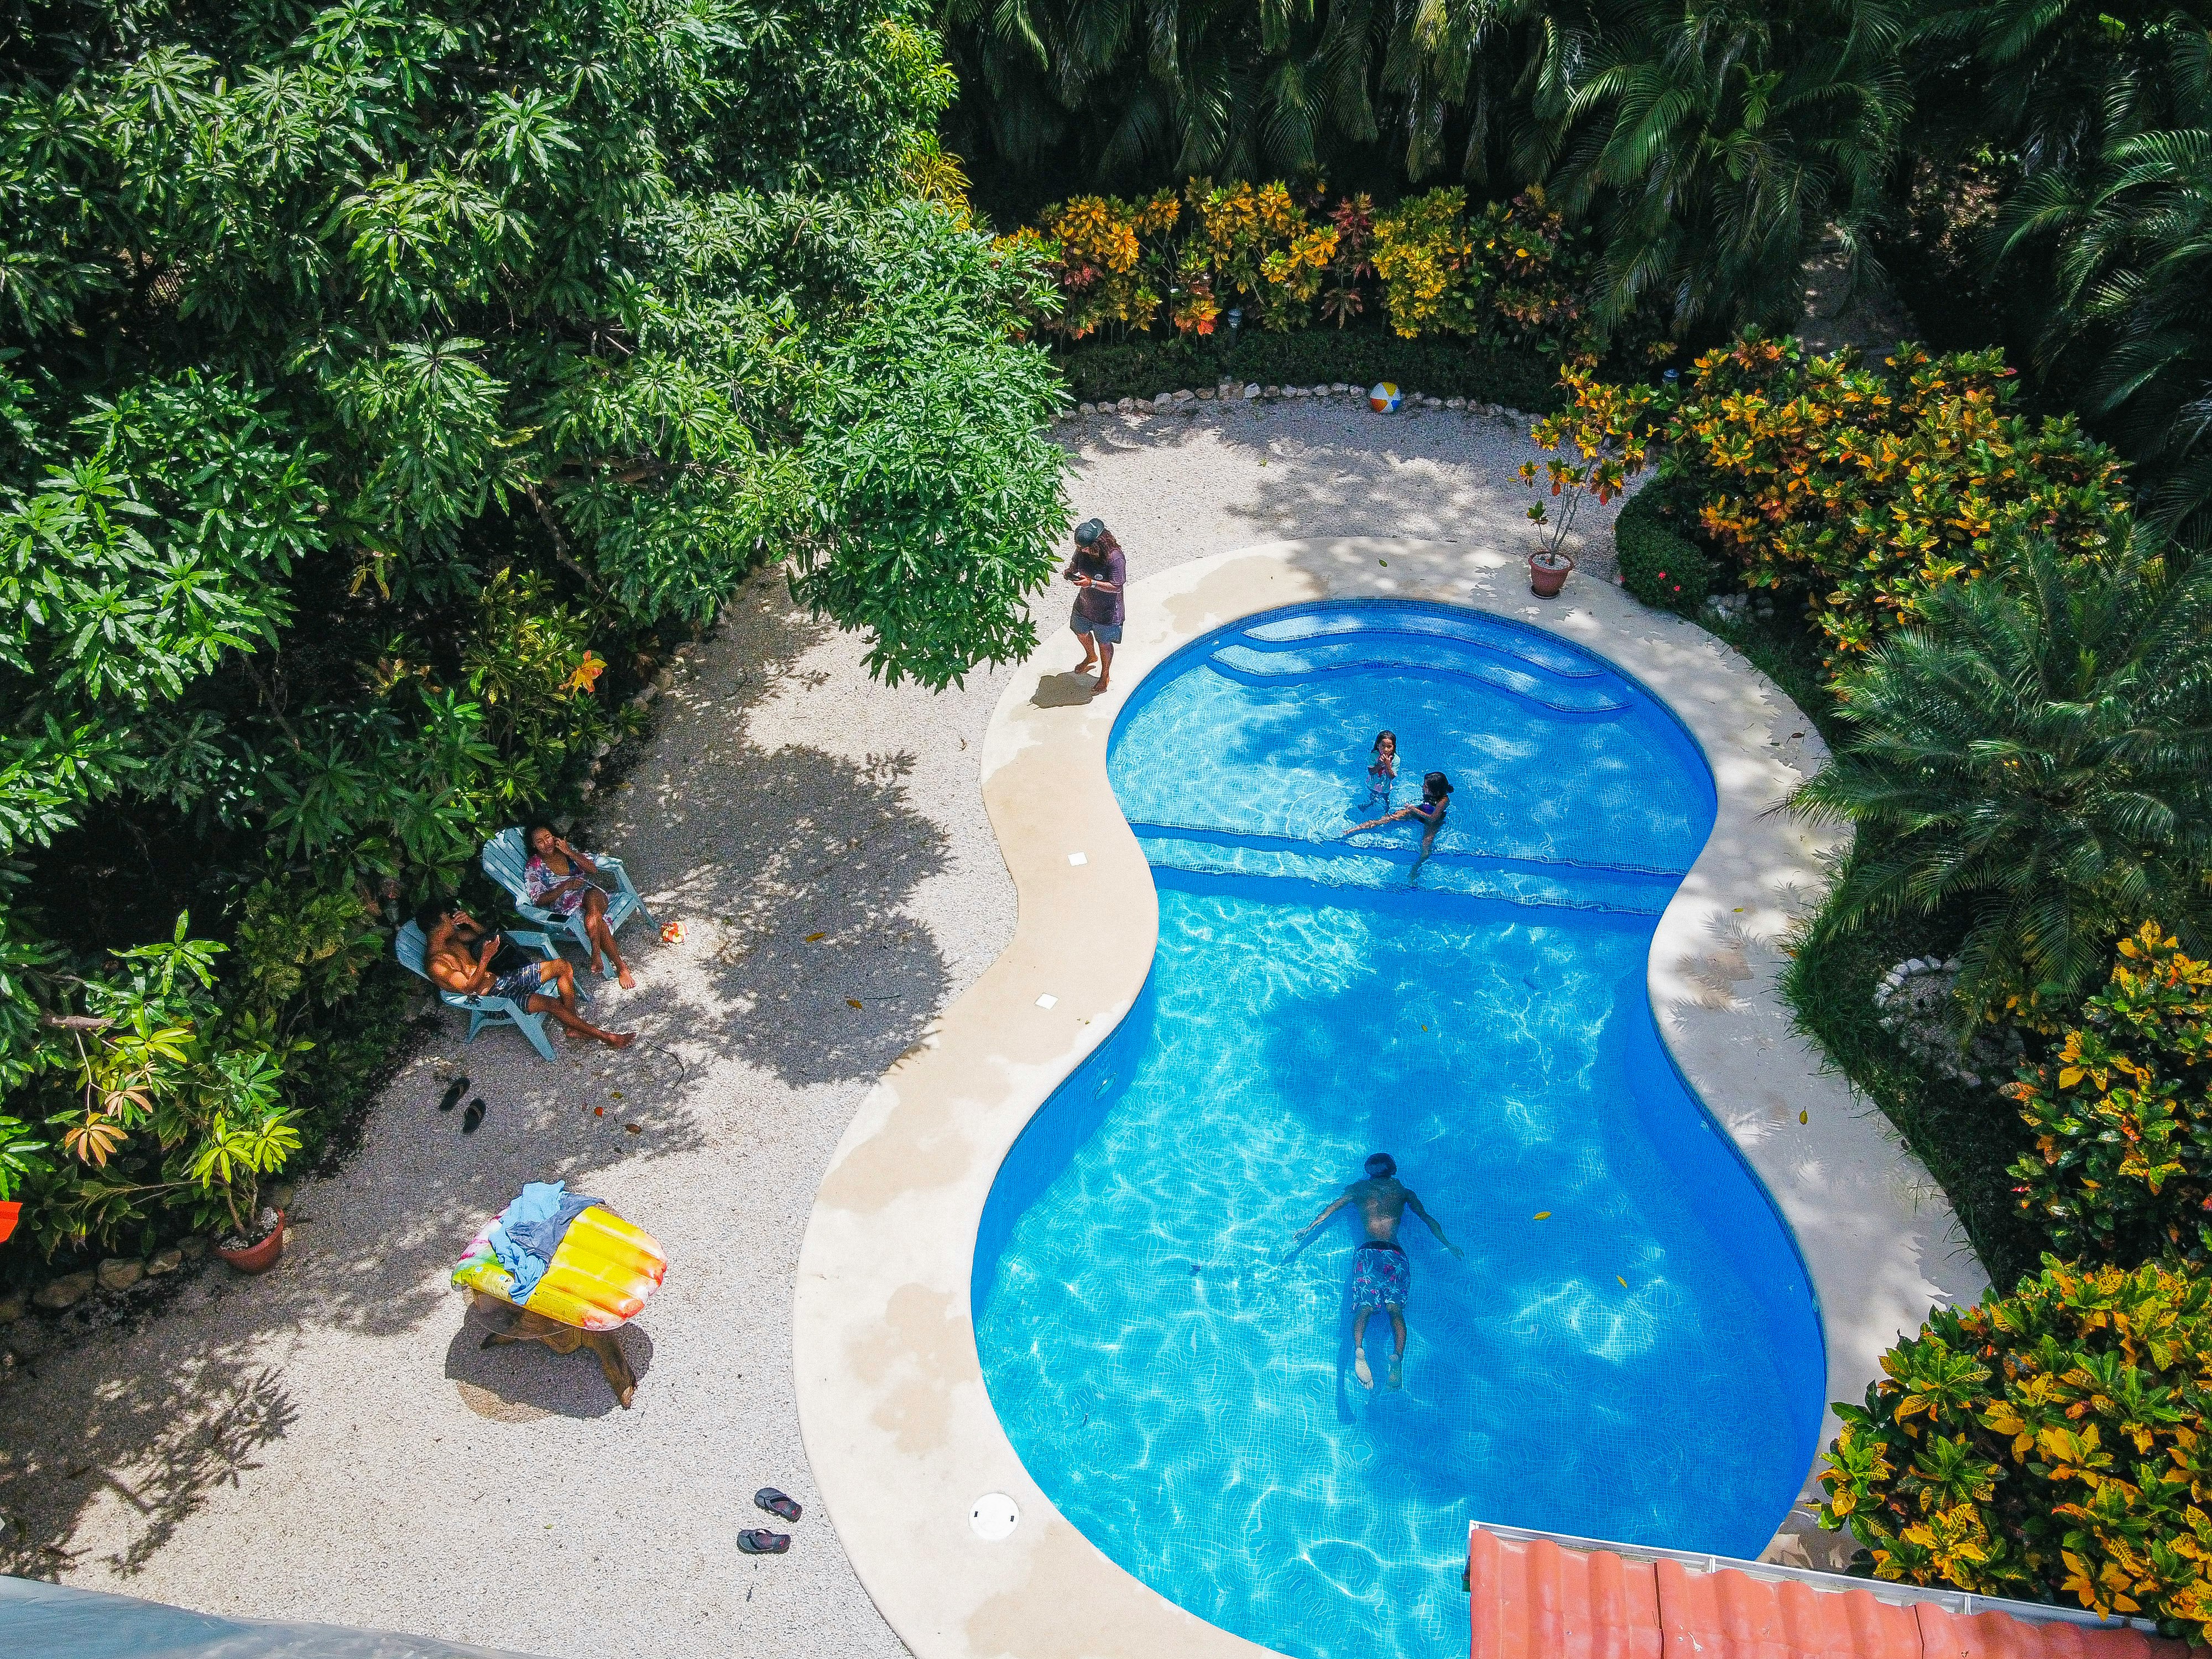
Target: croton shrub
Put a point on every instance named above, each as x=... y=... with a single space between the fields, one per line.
x=1506 y=272
x=2048 y=1445
x=1870 y=490
x=2122 y=1166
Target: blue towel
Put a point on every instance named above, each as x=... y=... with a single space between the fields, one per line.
x=531 y=1229
x=541 y=1238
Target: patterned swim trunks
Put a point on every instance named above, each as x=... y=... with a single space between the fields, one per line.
x=522 y=984
x=1380 y=1276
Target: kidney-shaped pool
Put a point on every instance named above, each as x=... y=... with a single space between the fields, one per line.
x=1629 y=1349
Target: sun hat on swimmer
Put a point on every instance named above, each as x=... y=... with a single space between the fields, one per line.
x=1088 y=533
x=596 y=1274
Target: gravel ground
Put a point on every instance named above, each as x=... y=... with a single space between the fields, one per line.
x=330 y=1442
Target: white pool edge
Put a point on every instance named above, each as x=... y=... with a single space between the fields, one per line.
x=898 y=1424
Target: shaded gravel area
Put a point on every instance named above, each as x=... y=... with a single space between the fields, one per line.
x=330 y=1442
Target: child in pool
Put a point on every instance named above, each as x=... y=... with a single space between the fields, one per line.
x=1436 y=798
x=1382 y=768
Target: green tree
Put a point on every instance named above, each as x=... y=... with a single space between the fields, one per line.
x=373 y=377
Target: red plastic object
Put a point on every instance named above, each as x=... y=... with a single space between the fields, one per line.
x=8 y=1214
x=1534 y=1599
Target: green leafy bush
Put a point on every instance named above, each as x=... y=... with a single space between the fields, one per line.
x=2049 y=1444
x=1658 y=564
x=1516 y=377
x=2122 y=1113
x=2033 y=753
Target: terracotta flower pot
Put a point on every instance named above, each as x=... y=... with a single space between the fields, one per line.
x=258 y=1258
x=1548 y=574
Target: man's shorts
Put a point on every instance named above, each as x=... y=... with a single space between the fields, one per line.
x=1104 y=633
x=522 y=984
x=1380 y=1276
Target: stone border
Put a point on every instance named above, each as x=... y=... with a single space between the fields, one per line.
x=897 y=1421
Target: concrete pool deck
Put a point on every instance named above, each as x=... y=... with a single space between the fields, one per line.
x=898 y=1427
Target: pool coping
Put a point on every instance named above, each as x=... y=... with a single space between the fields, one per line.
x=892 y=1406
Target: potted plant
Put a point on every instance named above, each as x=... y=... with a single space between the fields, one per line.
x=176 y=1099
x=1605 y=424
x=256 y=1247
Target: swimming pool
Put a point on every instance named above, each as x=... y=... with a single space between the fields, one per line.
x=1644 y=1362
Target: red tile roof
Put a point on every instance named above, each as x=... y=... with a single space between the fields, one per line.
x=1534 y=1599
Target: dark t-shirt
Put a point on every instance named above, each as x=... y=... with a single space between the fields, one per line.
x=1101 y=567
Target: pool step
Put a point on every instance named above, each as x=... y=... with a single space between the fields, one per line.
x=1400 y=653
x=1527 y=644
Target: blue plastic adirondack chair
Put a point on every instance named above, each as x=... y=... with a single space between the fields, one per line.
x=504 y=855
x=482 y=1011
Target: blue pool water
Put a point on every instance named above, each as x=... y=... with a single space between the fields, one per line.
x=1643 y=1365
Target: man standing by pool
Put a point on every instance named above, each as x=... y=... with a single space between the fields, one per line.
x=1099 y=568
x=1381 y=1275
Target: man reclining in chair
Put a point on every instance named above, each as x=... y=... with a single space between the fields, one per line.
x=462 y=955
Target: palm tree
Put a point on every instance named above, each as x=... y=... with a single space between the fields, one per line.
x=2039 y=752
x=1128 y=93
x=1719 y=142
x=2133 y=233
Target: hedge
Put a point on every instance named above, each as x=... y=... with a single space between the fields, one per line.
x=1657 y=564
x=1519 y=377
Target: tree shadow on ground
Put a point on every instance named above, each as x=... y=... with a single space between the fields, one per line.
x=1434 y=475
x=791 y=867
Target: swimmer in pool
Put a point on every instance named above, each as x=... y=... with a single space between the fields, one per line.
x=1381 y=1275
x=1382 y=768
x=1436 y=799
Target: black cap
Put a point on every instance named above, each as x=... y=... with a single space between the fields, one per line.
x=1088 y=531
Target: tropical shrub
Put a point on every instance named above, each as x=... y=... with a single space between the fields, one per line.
x=1511 y=273
x=1658 y=564
x=1870 y=491
x=2122 y=1113
x=2036 y=753
x=2049 y=1444
x=1425 y=257
x=171 y=1102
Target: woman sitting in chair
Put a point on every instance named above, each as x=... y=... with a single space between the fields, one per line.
x=559 y=878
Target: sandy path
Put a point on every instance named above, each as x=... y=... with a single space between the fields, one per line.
x=329 y=1443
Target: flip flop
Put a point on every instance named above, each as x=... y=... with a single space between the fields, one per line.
x=454 y=1090
x=775 y=1503
x=472 y=1120
x=761 y=1542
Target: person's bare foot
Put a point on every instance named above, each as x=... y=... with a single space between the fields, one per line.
x=1101 y=688
x=1359 y=1369
x=1088 y=666
x=627 y=980
x=620 y=1039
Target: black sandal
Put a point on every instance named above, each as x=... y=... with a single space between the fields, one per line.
x=775 y=1503
x=761 y=1542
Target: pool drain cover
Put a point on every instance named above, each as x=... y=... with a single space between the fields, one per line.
x=993 y=1516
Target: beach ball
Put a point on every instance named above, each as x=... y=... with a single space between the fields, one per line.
x=1382 y=396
